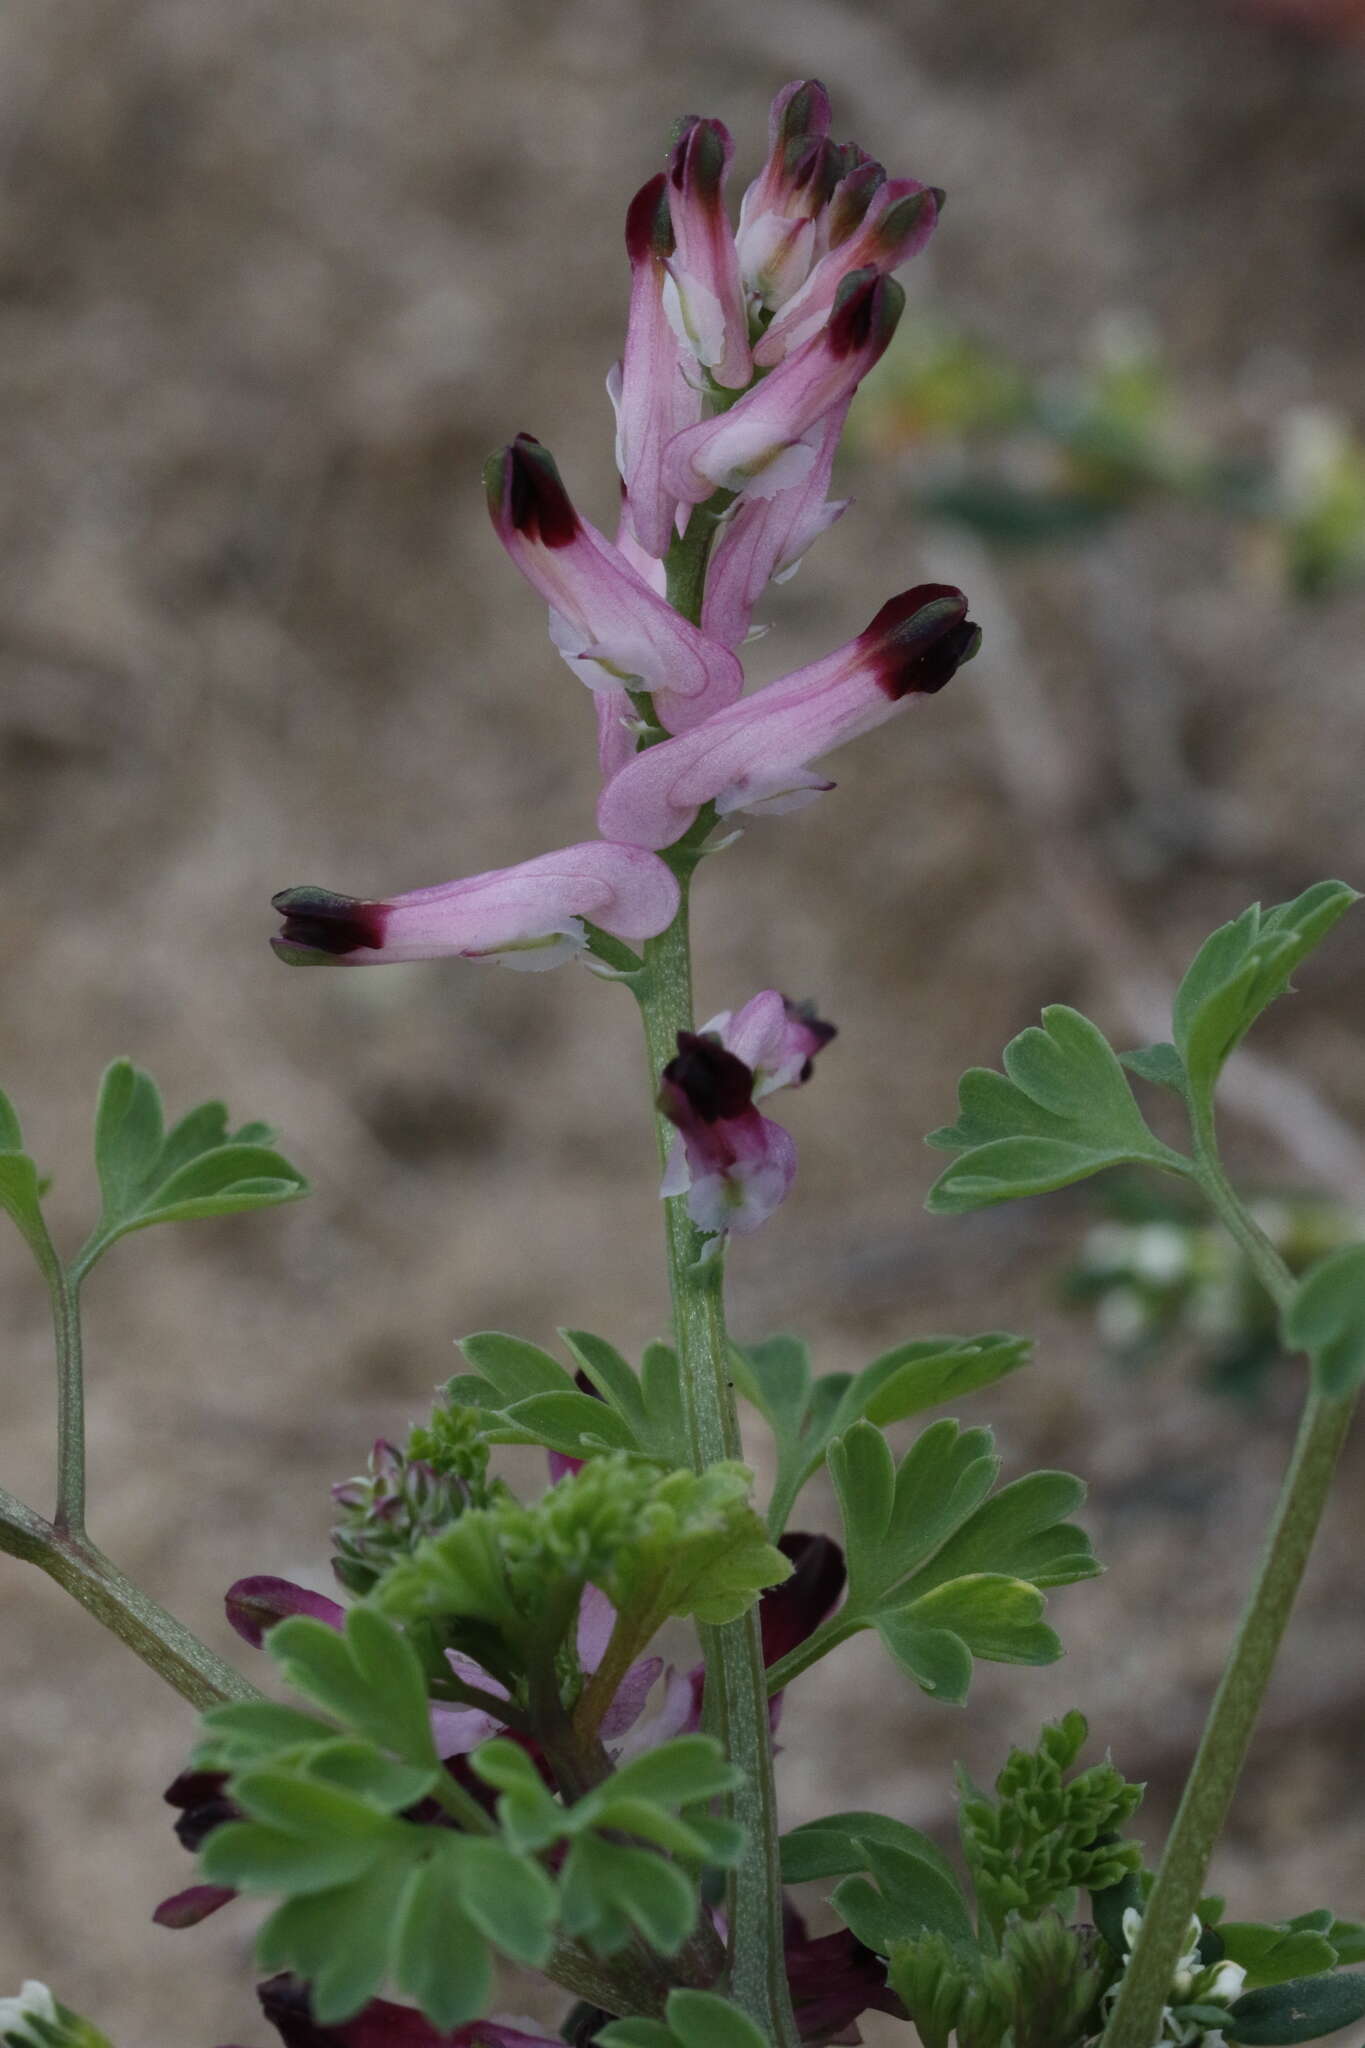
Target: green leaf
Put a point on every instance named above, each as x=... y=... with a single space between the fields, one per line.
x=912 y=1896
x=368 y=1676
x=835 y=1846
x=11 y=1135
x=1160 y=1064
x=436 y=1954
x=1326 y=1318
x=608 y=1890
x=609 y=1373
x=243 y=1732
x=699 y=2019
x=1301 y=2010
x=509 y=1899
x=943 y=1573
x=20 y=1197
x=199 y=1169
x=804 y=1414
x=1274 y=1955
x=1348 y=1939
x=514 y=1368
x=696 y=2019
x=663 y=1433
x=339 y=1940
x=939 y=1662
x=1241 y=968
x=687 y=1769
x=1062 y=1110
x=572 y=1423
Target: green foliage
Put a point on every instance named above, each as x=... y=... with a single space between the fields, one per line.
x=1061 y=1110
x=21 y=1189
x=370 y=1891
x=1303 y=2009
x=1042 y=1990
x=912 y=1895
x=943 y=1573
x=696 y=2019
x=805 y=1413
x=658 y=1543
x=1326 y=1319
x=523 y=1395
x=836 y=1845
x=1043 y=1836
x=1240 y=969
x=149 y=1175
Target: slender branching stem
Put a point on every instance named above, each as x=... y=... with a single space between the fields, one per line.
x=164 y=1644
x=1135 y=2021
x=66 y=1321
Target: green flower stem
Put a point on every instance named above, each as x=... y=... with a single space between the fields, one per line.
x=818 y=1644
x=736 y=1685
x=66 y=1320
x=1135 y=2021
x=197 y=1673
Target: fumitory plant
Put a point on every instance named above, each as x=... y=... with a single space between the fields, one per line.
x=483 y=1755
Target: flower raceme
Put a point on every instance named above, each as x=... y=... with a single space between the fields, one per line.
x=757 y=754
x=735 y=1165
x=531 y=916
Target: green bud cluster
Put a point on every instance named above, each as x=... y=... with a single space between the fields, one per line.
x=656 y=1542
x=1042 y=1990
x=397 y=1503
x=1041 y=1837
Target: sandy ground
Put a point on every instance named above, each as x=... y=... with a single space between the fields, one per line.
x=273 y=278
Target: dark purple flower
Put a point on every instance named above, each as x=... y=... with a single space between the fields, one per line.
x=284 y=2001
x=254 y=1605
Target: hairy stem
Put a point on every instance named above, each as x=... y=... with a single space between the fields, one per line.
x=197 y=1673
x=1136 y=2018
x=66 y=1319
x=736 y=1686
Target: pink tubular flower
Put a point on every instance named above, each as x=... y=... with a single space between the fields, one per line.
x=764 y=443
x=652 y=398
x=706 y=299
x=757 y=754
x=900 y=217
x=764 y=539
x=530 y=916
x=606 y=621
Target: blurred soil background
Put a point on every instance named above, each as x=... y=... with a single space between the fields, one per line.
x=273 y=279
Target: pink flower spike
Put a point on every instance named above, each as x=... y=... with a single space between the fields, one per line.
x=761 y=446
x=777 y=1039
x=899 y=220
x=736 y=1167
x=757 y=754
x=530 y=916
x=706 y=302
x=652 y=398
x=607 y=622
x=764 y=539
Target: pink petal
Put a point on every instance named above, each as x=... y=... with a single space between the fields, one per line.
x=631 y=1696
x=652 y=398
x=899 y=220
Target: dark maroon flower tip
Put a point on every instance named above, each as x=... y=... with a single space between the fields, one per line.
x=188 y=1908
x=700 y=156
x=204 y=1805
x=919 y=640
x=525 y=491
x=705 y=1081
x=788 y=1613
x=649 y=229
x=867 y=306
x=319 y=925
x=817 y=1029
x=256 y=1604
